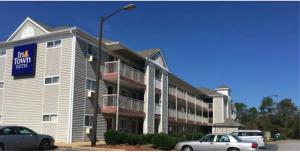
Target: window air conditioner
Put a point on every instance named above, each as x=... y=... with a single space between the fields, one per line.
x=88 y=130
x=90 y=93
x=91 y=58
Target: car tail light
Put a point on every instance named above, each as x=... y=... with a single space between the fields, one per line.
x=254 y=145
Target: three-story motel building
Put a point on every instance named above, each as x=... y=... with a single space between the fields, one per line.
x=47 y=83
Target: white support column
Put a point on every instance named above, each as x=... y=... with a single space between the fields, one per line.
x=118 y=95
x=202 y=112
x=163 y=125
x=186 y=108
x=149 y=99
x=176 y=104
x=195 y=109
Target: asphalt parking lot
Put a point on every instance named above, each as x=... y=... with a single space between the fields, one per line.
x=283 y=145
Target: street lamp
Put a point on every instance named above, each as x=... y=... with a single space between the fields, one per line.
x=96 y=99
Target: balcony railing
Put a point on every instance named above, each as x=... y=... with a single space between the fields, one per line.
x=210 y=120
x=125 y=102
x=125 y=70
x=190 y=98
x=157 y=83
x=180 y=94
x=181 y=115
x=198 y=118
x=191 y=117
x=172 y=91
x=210 y=106
x=172 y=113
x=205 y=119
x=157 y=108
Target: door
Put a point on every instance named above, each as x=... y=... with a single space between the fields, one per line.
x=29 y=138
x=206 y=143
x=222 y=143
x=133 y=126
x=109 y=124
x=12 y=140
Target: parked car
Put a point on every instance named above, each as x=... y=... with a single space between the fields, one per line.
x=22 y=138
x=221 y=142
x=252 y=136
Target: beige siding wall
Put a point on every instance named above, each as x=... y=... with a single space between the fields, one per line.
x=26 y=99
x=53 y=62
x=51 y=93
x=63 y=125
x=2 y=67
x=217 y=109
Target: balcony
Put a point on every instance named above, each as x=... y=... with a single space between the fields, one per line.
x=191 y=117
x=210 y=120
x=157 y=108
x=157 y=84
x=181 y=115
x=129 y=76
x=210 y=107
x=127 y=106
x=199 y=119
x=172 y=91
x=172 y=113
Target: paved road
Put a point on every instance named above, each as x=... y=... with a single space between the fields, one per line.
x=283 y=145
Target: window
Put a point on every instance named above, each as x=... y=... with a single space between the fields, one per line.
x=24 y=131
x=123 y=124
x=88 y=120
x=50 y=118
x=90 y=85
x=52 y=80
x=222 y=138
x=158 y=74
x=1 y=85
x=92 y=50
x=2 y=52
x=110 y=90
x=54 y=44
x=209 y=138
x=9 y=131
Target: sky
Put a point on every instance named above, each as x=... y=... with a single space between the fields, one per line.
x=252 y=47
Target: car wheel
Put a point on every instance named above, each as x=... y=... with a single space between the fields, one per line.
x=45 y=145
x=233 y=149
x=1 y=147
x=187 y=148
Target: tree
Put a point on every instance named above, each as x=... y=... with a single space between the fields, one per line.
x=241 y=109
x=267 y=105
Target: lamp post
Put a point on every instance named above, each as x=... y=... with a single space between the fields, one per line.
x=96 y=99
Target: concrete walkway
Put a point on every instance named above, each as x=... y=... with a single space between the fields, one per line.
x=82 y=146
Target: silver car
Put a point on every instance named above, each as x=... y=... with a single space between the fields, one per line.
x=251 y=136
x=22 y=138
x=221 y=142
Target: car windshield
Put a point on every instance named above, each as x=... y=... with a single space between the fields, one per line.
x=236 y=138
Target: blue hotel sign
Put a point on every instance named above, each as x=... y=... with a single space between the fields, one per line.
x=24 y=58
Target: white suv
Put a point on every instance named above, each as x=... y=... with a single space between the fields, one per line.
x=251 y=135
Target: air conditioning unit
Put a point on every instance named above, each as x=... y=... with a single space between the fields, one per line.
x=88 y=130
x=91 y=58
x=90 y=94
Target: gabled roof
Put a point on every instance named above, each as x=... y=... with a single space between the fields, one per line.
x=224 y=86
x=149 y=52
x=40 y=25
x=209 y=92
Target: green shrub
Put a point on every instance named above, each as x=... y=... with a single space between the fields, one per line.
x=111 y=137
x=135 y=139
x=123 y=138
x=163 y=141
x=148 y=138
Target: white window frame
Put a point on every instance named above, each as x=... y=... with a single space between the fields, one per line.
x=3 y=84
x=50 y=118
x=91 y=87
x=3 y=55
x=51 y=77
x=53 y=45
x=90 y=120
